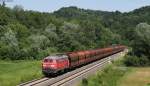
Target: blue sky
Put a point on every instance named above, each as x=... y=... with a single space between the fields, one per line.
x=105 y=5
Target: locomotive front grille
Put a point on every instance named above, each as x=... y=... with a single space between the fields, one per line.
x=48 y=70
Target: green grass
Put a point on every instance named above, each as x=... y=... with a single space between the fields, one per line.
x=15 y=72
x=139 y=76
x=118 y=74
x=108 y=77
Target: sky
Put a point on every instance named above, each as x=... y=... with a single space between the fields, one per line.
x=104 y=5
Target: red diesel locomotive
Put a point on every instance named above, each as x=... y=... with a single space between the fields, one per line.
x=60 y=62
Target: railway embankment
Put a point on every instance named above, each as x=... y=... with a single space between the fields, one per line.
x=110 y=76
x=118 y=74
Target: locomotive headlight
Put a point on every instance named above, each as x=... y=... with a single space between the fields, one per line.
x=52 y=66
x=44 y=65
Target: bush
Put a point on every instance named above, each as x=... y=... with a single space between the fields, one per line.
x=136 y=61
x=103 y=78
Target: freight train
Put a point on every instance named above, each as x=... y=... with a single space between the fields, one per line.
x=55 y=63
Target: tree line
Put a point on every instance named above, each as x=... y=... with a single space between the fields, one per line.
x=34 y=35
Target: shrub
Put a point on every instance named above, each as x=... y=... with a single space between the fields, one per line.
x=136 y=61
x=103 y=78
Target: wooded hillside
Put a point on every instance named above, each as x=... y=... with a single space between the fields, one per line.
x=34 y=35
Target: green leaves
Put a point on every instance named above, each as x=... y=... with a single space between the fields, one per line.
x=143 y=32
x=141 y=43
x=33 y=35
x=38 y=41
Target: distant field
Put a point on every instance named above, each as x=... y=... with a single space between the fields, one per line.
x=108 y=77
x=117 y=76
x=15 y=72
x=138 y=77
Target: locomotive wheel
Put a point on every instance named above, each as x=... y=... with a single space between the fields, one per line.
x=46 y=74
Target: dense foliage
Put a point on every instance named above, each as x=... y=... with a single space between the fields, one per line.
x=136 y=61
x=34 y=35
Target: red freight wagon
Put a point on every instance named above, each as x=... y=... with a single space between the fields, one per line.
x=82 y=58
x=73 y=58
x=87 y=55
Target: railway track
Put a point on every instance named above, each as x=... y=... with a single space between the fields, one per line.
x=62 y=82
x=34 y=82
x=70 y=77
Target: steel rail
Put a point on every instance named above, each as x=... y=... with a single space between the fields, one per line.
x=59 y=83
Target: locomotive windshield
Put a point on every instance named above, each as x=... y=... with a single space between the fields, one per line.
x=57 y=56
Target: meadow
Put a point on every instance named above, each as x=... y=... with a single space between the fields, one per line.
x=117 y=74
x=137 y=77
x=108 y=77
x=15 y=72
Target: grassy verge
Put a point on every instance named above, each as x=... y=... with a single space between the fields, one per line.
x=108 y=77
x=138 y=77
x=118 y=74
x=15 y=72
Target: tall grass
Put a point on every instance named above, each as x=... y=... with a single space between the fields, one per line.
x=108 y=77
x=15 y=72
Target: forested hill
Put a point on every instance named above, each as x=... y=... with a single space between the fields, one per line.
x=34 y=35
x=74 y=12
